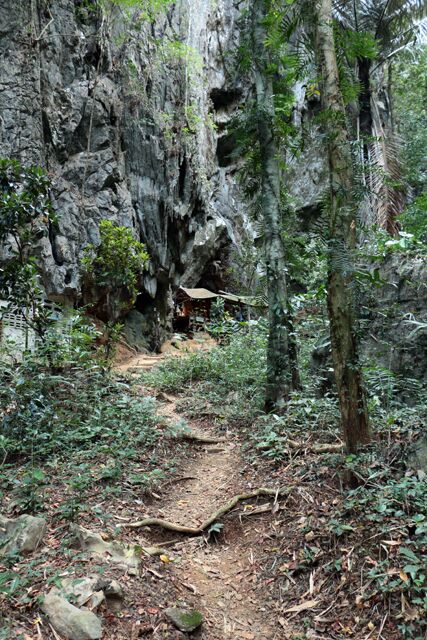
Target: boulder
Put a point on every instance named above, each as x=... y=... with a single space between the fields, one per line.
x=22 y=534
x=417 y=458
x=129 y=556
x=184 y=620
x=70 y=621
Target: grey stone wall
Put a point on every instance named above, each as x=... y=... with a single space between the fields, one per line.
x=387 y=312
x=127 y=124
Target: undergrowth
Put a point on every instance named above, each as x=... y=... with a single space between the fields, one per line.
x=375 y=535
x=64 y=416
x=226 y=382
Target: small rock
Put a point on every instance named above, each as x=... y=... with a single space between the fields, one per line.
x=22 y=534
x=184 y=620
x=90 y=591
x=69 y=621
x=129 y=556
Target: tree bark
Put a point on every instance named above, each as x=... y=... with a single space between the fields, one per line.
x=279 y=377
x=342 y=305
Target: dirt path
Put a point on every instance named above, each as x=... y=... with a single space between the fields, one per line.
x=222 y=574
x=221 y=577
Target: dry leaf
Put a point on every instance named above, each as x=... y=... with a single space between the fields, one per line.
x=403 y=576
x=164 y=558
x=308 y=604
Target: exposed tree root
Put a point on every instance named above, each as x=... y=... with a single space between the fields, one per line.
x=196 y=531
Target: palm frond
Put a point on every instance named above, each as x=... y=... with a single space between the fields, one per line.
x=385 y=174
x=387 y=20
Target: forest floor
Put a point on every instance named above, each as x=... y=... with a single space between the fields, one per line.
x=222 y=572
x=271 y=567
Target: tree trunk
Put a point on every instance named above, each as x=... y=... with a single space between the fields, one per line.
x=279 y=377
x=342 y=237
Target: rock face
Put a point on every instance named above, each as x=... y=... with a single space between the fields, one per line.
x=393 y=338
x=129 y=117
x=90 y=591
x=417 y=458
x=393 y=325
x=22 y=534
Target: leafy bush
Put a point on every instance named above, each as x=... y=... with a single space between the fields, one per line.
x=237 y=367
x=117 y=262
x=26 y=217
x=304 y=416
x=45 y=409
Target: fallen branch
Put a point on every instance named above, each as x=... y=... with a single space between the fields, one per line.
x=188 y=435
x=315 y=448
x=196 y=531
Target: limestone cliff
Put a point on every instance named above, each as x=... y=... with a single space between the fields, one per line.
x=128 y=116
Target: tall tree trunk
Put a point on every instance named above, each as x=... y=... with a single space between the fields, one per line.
x=342 y=232
x=279 y=377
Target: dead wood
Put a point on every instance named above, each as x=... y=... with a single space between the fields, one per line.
x=187 y=435
x=315 y=448
x=196 y=531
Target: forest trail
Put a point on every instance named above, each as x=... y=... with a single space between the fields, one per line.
x=222 y=576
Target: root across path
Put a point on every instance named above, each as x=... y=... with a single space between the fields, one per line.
x=219 y=576
x=194 y=531
x=219 y=561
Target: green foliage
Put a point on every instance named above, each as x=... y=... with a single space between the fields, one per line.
x=358 y=44
x=29 y=494
x=352 y=46
x=304 y=416
x=24 y=203
x=25 y=216
x=143 y=10
x=378 y=244
x=175 y=52
x=118 y=261
x=390 y=504
x=409 y=78
x=414 y=219
x=230 y=379
x=238 y=365
x=45 y=413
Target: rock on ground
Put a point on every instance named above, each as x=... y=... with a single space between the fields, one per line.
x=183 y=620
x=22 y=534
x=90 y=591
x=417 y=458
x=69 y=621
x=129 y=556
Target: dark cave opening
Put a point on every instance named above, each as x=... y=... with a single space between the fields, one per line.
x=224 y=98
x=225 y=149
